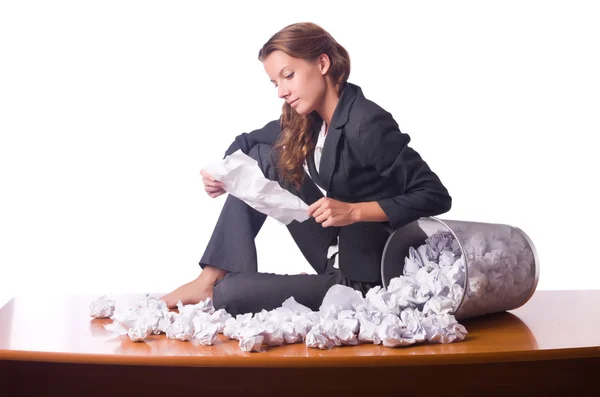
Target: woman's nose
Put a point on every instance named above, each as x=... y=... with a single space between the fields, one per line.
x=282 y=91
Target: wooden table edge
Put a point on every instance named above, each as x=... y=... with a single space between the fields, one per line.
x=254 y=359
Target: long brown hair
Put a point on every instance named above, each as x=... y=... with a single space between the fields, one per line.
x=303 y=40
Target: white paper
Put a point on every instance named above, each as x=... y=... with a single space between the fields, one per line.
x=205 y=332
x=294 y=306
x=102 y=307
x=242 y=177
x=141 y=330
x=443 y=329
x=343 y=297
x=251 y=343
x=317 y=337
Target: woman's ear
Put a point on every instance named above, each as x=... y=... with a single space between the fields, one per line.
x=324 y=63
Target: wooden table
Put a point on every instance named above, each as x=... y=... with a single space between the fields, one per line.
x=551 y=345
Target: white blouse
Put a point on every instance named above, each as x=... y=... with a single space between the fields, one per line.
x=333 y=249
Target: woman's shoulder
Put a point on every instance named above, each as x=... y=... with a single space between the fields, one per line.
x=366 y=115
x=371 y=129
x=365 y=111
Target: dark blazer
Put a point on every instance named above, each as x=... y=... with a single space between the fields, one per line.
x=366 y=158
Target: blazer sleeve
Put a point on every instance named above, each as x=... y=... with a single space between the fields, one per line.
x=246 y=140
x=386 y=149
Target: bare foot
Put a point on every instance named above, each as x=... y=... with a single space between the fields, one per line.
x=189 y=294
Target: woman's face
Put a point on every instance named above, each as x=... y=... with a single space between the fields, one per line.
x=299 y=82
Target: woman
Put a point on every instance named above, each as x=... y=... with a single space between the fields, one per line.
x=344 y=156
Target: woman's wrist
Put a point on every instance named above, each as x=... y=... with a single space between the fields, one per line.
x=368 y=211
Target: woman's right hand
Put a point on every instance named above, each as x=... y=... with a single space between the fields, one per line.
x=212 y=187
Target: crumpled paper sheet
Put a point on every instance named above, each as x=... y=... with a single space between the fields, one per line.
x=102 y=307
x=198 y=323
x=243 y=178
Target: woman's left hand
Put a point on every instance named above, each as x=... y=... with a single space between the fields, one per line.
x=332 y=212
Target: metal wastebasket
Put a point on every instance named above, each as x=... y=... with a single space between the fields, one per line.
x=501 y=264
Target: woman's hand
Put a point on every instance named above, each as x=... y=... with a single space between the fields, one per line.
x=331 y=212
x=212 y=187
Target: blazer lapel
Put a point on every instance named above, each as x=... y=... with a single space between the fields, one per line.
x=334 y=132
x=328 y=157
x=314 y=174
x=313 y=170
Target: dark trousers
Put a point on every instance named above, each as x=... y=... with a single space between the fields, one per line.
x=232 y=248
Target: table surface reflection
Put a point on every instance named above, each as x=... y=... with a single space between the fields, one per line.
x=552 y=325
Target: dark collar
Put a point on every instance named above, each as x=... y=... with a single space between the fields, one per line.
x=342 y=109
x=340 y=117
x=341 y=114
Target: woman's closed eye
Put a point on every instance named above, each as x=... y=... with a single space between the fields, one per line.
x=289 y=76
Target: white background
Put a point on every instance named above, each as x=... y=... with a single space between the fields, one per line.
x=109 y=110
